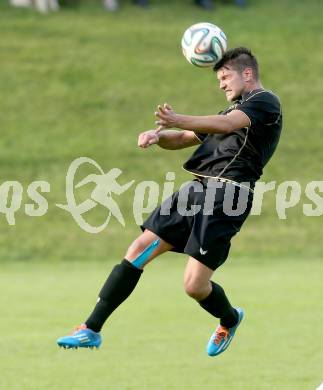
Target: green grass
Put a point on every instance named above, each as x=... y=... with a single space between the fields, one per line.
x=84 y=82
x=157 y=339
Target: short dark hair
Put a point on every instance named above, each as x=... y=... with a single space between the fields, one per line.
x=239 y=58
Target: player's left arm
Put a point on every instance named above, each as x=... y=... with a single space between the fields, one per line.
x=221 y=124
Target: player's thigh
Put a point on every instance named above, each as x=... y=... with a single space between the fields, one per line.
x=143 y=243
x=197 y=279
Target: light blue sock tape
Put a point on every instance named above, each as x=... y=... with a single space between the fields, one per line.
x=145 y=254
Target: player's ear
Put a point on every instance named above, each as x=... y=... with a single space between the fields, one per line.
x=247 y=74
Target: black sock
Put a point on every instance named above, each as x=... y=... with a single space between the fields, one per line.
x=219 y=306
x=119 y=285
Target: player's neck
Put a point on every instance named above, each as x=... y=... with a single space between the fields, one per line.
x=253 y=86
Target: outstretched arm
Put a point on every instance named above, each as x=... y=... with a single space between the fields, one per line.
x=168 y=139
x=222 y=124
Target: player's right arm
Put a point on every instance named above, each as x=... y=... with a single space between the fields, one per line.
x=168 y=139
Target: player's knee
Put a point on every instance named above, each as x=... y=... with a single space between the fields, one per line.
x=194 y=289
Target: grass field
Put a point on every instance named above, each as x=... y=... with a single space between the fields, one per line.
x=160 y=343
x=84 y=82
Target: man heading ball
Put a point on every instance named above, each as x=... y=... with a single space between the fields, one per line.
x=234 y=146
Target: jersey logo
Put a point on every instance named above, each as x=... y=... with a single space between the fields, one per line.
x=202 y=251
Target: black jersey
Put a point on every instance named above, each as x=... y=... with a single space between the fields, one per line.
x=242 y=154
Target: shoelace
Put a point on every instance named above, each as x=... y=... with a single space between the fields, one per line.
x=78 y=328
x=221 y=333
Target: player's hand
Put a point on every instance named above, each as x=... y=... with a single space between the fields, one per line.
x=167 y=117
x=149 y=138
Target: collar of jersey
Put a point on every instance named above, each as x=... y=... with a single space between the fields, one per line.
x=248 y=94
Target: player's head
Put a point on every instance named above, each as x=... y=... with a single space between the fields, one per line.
x=237 y=72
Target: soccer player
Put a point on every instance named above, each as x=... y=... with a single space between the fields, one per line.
x=234 y=146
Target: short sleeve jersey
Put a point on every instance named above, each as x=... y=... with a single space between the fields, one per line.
x=242 y=154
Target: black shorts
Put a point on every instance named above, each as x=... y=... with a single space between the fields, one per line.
x=201 y=218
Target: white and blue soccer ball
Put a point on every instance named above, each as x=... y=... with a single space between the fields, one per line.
x=204 y=44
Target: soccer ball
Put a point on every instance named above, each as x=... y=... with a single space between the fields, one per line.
x=204 y=44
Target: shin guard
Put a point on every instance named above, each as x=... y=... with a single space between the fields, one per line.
x=119 y=285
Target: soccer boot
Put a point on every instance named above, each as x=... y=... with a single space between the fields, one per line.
x=82 y=337
x=222 y=337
